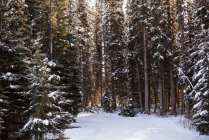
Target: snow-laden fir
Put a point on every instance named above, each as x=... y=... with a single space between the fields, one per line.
x=107 y=126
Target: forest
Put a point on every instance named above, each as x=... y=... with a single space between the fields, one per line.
x=59 y=58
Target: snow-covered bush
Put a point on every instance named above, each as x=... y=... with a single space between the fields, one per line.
x=128 y=110
x=106 y=102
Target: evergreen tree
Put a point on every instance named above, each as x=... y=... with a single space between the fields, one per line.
x=105 y=35
x=67 y=57
x=39 y=14
x=201 y=71
x=133 y=35
x=55 y=83
x=159 y=39
x=182 y=55
x=116 y=49
x=83 y=43
x=46 y=112
x=201 y=79
x=13 y=49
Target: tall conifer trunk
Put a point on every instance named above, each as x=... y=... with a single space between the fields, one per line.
x=146 y=84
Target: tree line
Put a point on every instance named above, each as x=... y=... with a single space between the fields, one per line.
x=59 y=57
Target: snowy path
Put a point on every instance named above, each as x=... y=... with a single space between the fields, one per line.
x=104 y=126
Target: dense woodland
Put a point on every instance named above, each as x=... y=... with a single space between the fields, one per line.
x=58 y=58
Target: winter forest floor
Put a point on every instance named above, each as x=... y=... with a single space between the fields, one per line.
x=105 y=126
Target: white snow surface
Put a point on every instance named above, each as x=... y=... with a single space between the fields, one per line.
x=105 y=126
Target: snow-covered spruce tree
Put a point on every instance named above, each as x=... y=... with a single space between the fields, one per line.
x=133 y=36
x=39 y=14
x=105 y=35
x=182 y=58
x=157 y=36
x=46 y=107
x=13 y=49
x=201 y=79
x=159 y=39
x=116 y=49
x=54 y=84
x=70 y=80
x=83 y=44
x=66 y=57
x=201 y=65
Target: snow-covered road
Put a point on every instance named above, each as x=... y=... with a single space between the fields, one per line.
x=103 y=126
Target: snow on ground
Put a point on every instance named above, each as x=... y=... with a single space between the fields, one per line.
x=104 y=126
